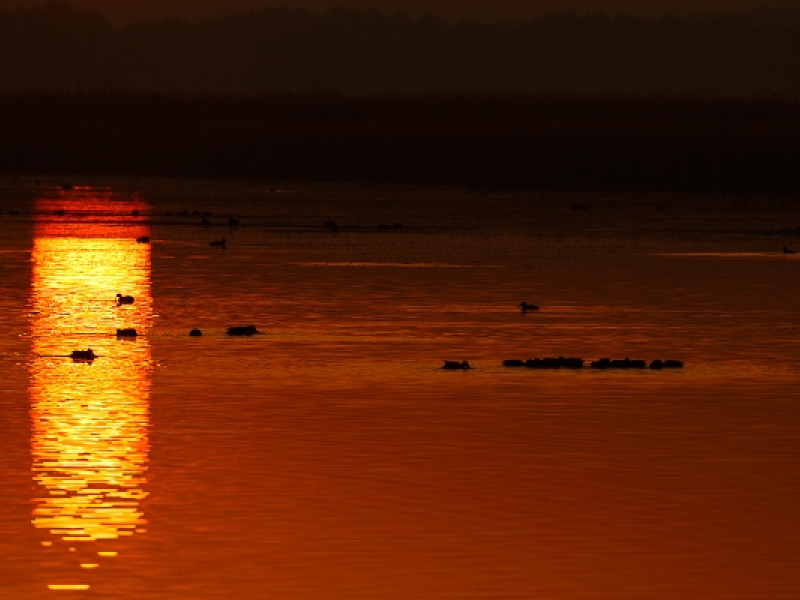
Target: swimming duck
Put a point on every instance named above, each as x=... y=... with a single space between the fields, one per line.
x=126 y=332
x=525 y=307
x=218 y=244
x=666 y=364
x=124 y=299
x=618 y=363
x=243 y=330
x=195 y=333
x=552 y=362
x=87 y=355
x=455 y=364
x=513 y=362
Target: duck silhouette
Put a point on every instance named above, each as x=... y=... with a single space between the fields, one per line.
x=525 y=307
x=243 y=330
x=124 y=299
x=513 y=362
x=666 y=364
x=83 y=355
x=455 y=364
x=218 y=244
x=553 y=362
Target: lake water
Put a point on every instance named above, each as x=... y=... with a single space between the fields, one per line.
x=331 y=457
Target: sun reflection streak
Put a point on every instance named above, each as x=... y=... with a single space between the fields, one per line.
x=90 y=419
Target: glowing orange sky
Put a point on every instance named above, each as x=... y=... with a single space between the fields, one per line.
x=123 y=11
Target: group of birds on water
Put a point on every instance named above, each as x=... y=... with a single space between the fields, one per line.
x=89 y=355
x=559 y=362
x=571 y=362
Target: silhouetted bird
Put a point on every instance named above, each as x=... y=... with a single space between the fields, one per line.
x=543 y=363
x=83 y=355
x=233 y=221
x=627 y=363
x=195 y=333
x=787 y=250
x=601 y=363
x=143 y=239
x=525 y=307
x=619 y=363
x=218 y=243
x=126 y=332
x=571 y=362
x=243 y=330
x=124 y=299
x=550 y=362
x=666 y=364
x=455 y=364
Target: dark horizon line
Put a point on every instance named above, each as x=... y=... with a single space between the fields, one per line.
x=512 y=143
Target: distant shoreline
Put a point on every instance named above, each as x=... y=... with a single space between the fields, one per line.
x=573 y=143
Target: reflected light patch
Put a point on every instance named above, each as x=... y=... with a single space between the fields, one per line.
x=68 y=586
x=90 y=419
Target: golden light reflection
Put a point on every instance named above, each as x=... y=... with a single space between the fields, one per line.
x=90 y=418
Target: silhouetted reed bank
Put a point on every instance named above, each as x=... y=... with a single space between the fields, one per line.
x=545 y=143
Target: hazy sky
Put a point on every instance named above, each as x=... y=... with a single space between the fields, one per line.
x=123 y=11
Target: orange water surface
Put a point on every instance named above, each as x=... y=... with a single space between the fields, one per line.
x=330 y=456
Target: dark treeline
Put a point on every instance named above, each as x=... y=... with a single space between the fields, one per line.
x=56 y=48
x=484 y=141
